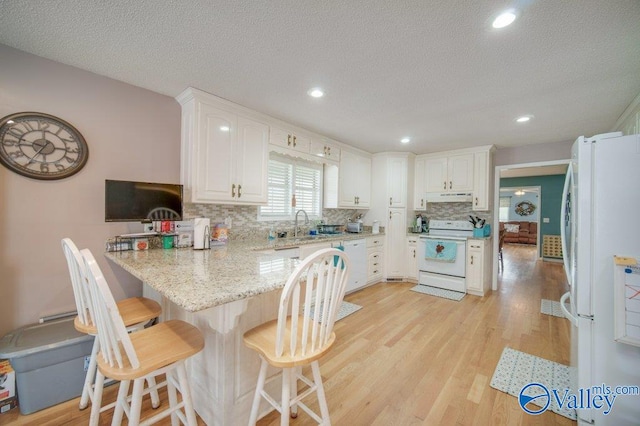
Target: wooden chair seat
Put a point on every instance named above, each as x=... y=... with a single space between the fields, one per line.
x=156 y=347
x=134 y=310
x=262 y=339
x=136 y=313
x=160 y=350
x=302 y=334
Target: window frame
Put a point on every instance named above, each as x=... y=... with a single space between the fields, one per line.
x=295 y=163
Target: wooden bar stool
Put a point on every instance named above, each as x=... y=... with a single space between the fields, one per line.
x=136 y=313
x=302 y=333
x=143 y=355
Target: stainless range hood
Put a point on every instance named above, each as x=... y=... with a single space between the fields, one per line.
x=448 y=197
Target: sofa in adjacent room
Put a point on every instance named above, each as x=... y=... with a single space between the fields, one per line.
x=521 y=232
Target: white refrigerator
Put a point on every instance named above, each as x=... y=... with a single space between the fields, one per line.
x=600 y=218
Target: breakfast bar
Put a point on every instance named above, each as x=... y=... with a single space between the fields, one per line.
x=224 y=291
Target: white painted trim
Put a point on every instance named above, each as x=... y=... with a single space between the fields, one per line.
x=634 y=106
x=496 y=207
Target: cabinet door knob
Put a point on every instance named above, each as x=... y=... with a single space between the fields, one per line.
x=239 y=191
x=233 y=190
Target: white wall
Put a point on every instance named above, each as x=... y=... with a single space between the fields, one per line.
x=132 y=133
x=533 y=153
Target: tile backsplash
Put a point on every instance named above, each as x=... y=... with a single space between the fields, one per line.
x=454 y=211
x=244 y=223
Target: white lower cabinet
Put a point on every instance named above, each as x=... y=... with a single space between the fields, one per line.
x=396 y=233
x=478 y=274
x=375 y=259
x=412 y=260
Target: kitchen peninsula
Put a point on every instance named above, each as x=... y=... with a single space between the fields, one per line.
x=224 y=291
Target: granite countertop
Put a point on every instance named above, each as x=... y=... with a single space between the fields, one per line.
x=201 y=279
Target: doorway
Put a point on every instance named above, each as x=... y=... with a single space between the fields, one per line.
x=518 y=175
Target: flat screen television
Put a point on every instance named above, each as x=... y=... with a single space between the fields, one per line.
x=126 y=201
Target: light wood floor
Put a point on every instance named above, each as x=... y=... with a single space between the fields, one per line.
x=412 y=359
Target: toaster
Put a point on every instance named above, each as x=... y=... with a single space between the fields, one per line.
x=355 y=227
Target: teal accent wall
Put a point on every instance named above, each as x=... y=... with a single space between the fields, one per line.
x=550 y=196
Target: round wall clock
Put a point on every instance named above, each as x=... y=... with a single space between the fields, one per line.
x=41 y=146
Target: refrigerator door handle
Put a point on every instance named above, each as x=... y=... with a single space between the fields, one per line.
x=563 y=218
x=565 y=311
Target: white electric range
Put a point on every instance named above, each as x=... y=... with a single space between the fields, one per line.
x=448 y=271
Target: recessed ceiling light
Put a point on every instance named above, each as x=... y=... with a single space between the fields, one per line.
x=405 y=140
x=224 y=128
x=10 y=122
x=316 y=92
x=504 y=19
x=524 y=118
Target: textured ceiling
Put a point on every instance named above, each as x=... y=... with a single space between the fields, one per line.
x=432 y=70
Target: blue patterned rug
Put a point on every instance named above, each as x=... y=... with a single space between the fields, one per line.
x=438 y=292
x=551 y=307
x=517 y=369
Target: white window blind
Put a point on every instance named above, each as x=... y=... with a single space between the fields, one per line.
x=503 y=213
x=505 y=201
x=289 y=177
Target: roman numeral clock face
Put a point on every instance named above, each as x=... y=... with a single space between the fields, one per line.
x=41 y=146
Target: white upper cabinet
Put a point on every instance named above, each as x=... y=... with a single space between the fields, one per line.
x=453 y=172
x=481 y=181
x=354 y=183
x=291 y=140
x=420 y=184
x=390 y=179
x=449 y=174
x=224 y=153
x=324 y=148
x=397 y=168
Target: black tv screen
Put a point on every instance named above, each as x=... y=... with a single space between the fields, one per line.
x=126 y=201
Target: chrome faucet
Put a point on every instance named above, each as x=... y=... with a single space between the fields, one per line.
x=295 y=225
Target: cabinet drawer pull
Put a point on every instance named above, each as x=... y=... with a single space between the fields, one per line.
x=233 y=190
x=375 y=272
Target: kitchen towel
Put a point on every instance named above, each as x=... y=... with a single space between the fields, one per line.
x=444 y=251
